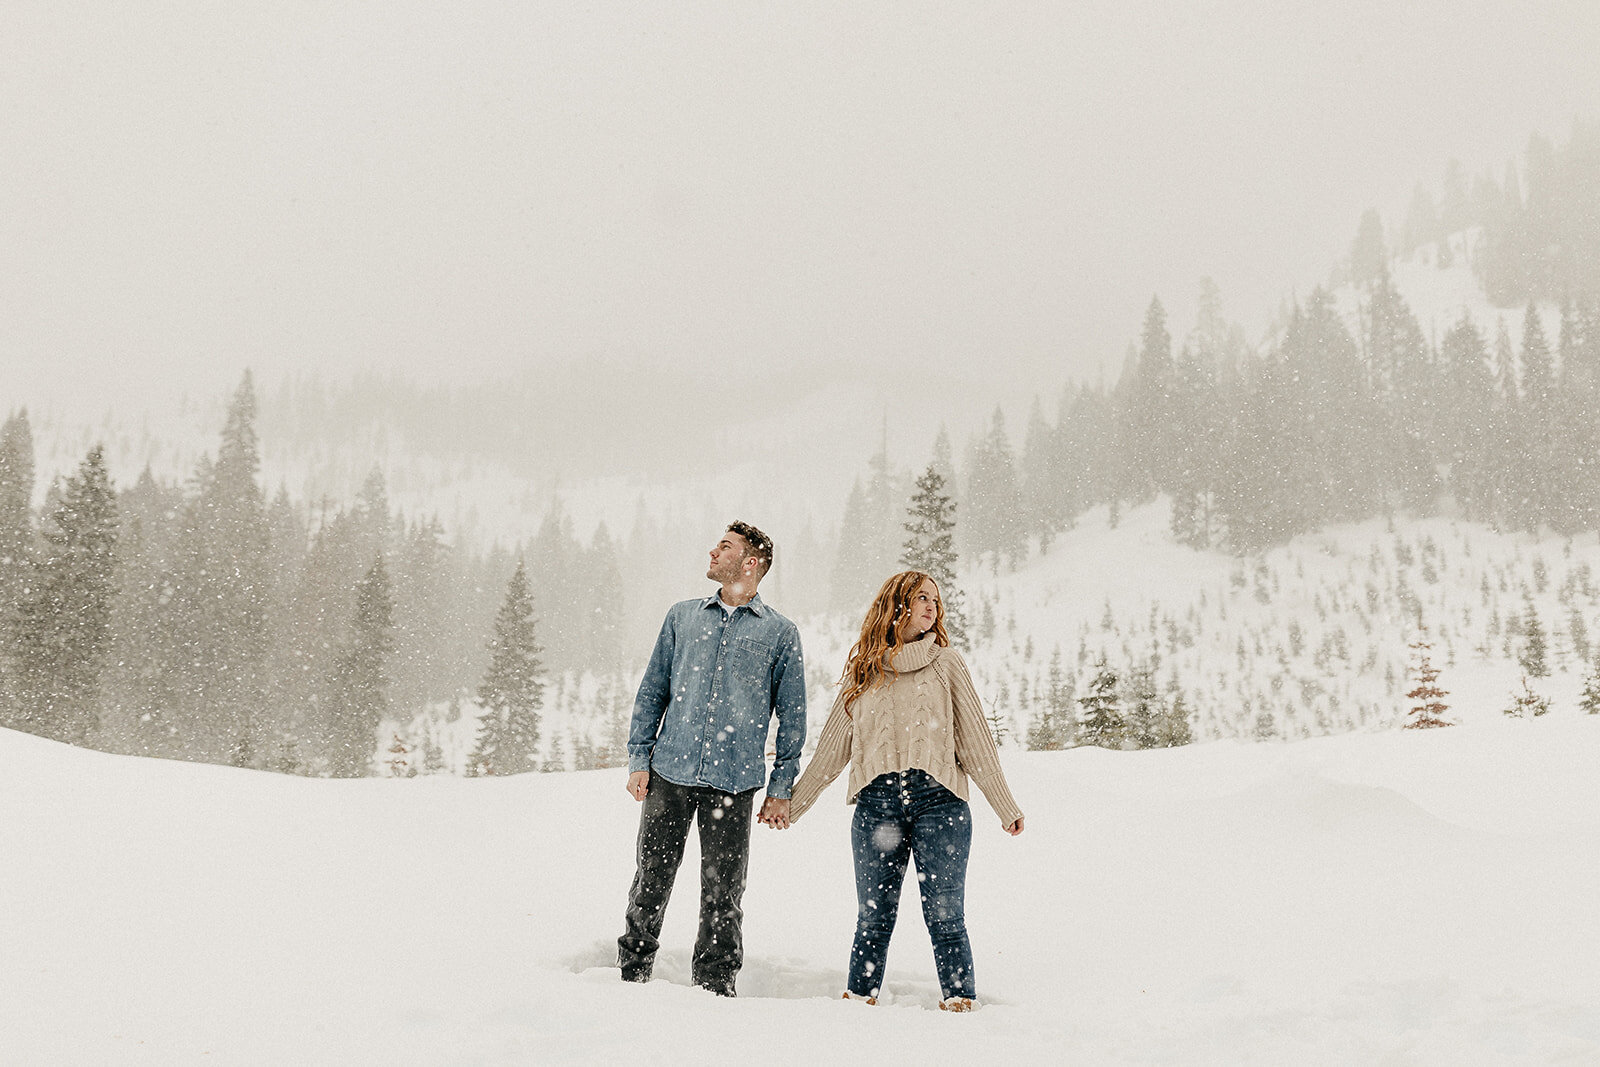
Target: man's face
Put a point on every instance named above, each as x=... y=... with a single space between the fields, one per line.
x=728 y=557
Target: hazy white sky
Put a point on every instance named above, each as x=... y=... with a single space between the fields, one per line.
x=471 y=187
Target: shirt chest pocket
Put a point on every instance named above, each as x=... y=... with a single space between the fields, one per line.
x=752 y=660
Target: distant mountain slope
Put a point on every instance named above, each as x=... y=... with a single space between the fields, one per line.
x=1309 y=638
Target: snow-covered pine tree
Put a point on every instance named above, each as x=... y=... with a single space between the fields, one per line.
x=1578 y=634
x=65 y=626
x=1534 y=655
x=1367 y=252
x=1527 y=704
x=999 y=714
x=432 y=755
x=852 y=582
x=1143 y=708
x=995 y=525
x=360 y=683
x=399 y=761
x=16 y=548
x=1053 y=726
x=426 y=628
x=1589 y=700
x=513 y=688
x=1172 y=725
x=1429 y=706
x=1100 y=719
x=1040 y=479
x=234 y=586
x=556 y=761
x=602 y=601
x=930 y=547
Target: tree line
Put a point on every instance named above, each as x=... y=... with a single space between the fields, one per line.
x=1538 y=228
x=1341 y=414
x=202 y=621
x=1331 y=421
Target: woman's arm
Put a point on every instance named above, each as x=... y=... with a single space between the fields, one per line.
x=975 y=749
x=831 y=757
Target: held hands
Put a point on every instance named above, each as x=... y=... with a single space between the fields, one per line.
x=1014 y=828
x=775 y=812
x=639 y=785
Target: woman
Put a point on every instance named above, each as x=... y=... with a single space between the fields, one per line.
x=910 y=726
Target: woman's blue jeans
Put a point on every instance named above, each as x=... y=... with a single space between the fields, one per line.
x=900 y=816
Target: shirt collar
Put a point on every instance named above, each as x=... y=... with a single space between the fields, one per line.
x=754 y=604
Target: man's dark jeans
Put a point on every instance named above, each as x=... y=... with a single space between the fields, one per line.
x=899 y=816
x=724 y=820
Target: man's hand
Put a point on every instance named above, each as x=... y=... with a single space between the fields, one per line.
x=639 y=784
x=775 y=812
x=1015 y=828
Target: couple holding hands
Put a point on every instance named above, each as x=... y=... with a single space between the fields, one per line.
x=907 y=722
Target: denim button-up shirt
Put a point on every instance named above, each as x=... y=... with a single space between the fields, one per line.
x=714 y=682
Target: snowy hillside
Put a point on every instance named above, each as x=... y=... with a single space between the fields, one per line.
x=1404 y=897
x=1440 y=295
x=1309 y=638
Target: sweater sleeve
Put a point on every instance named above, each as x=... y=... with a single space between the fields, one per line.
x=831 y=757
x=975 y=749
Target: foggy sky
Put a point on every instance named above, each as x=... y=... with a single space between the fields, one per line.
x=470 y=188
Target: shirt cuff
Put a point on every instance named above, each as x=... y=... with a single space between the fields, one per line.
x=638 y=762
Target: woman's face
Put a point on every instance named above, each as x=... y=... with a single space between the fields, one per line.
x=923 y=611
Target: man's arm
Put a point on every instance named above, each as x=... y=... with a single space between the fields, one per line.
x=649 y=705
x=789 y=704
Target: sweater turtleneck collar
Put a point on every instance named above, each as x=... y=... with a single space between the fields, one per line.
x=916 y=654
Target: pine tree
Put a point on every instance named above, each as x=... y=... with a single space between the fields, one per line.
x=426 y=584
x=432 y=755
x=1042 y=497
x=1527 y=704
x=1429 y=708
x=1539 y=425
x=16 y=549
x=137 y=714
x=557 y=568
x=1538 y=371
x=1143 y=708
x=995 y=525
x=399 y=761
x=64 y=630
x=930 y=547
x=603 y=597
x=1151 y=408
x=1589 y=701
x=1368 y=255
x=236 y=584
x=1100 y=720
x=851 y=587
x=512 y=690
x=359 y=699
x=1534 y=656
x=1468 y=418
x=1172 y=726
x=1052 y=726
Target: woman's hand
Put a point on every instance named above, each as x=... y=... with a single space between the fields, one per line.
x=775 y=813
x=1015 y=828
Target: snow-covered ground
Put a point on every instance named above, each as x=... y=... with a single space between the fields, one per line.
x=1377 y=897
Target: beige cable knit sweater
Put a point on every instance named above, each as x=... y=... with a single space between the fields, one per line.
x=928 y=716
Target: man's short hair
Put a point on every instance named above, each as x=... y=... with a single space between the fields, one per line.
x=760 y=544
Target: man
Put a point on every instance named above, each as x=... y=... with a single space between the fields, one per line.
x=723 y=666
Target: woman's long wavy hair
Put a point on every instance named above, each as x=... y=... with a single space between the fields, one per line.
x=871 y=661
